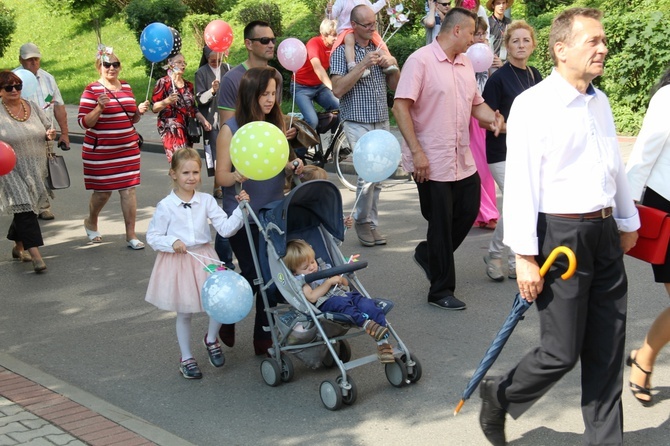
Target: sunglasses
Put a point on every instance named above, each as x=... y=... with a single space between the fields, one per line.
x=9 y=88
x=264 y=40
x=443 y=4
x=111 y=64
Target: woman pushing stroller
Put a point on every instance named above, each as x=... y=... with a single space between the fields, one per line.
x=328 y=295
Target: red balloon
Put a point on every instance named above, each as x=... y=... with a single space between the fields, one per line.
x=7 y=158
x=218 y=36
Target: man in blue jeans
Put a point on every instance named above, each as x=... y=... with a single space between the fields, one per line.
x=311 y=82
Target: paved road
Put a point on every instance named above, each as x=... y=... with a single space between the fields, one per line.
x=84 y=329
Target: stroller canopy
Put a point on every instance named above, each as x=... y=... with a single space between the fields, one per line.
x=311 y=203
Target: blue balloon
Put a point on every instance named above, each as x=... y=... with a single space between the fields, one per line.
x=156 y=42
x=227 y=297
x=376 y=155
x=29 y=83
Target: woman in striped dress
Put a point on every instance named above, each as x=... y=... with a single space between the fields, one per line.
x=111 y=153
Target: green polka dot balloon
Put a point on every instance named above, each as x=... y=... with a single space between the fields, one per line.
x=259 y=150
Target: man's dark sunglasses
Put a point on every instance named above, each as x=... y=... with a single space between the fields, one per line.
x=264 y=40
x=9 y=88
x=111 y=64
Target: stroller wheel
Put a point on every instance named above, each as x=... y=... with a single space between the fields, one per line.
x=414 y=371
x=287 y=370
x=396 y=373
x=270 y=372
x=343 y=350
x=331 y=397
x=348 y=395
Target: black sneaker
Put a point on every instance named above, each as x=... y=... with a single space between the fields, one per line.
x=449 y=303
x=189 y=368
x=216 y=357
x=421 y=258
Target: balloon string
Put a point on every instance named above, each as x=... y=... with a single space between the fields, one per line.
x=195 y=256
x=358 y=197
x=151 y=75
x=293 y=104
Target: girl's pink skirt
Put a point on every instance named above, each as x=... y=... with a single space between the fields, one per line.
x=177 y=279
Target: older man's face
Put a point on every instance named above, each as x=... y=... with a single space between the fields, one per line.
x=585 y=54
x=32 y=64
x=365 y=24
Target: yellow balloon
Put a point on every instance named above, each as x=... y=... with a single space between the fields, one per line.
x=259 y=150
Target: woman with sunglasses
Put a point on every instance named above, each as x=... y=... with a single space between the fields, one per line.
x=111 y=151
x=174 y=101
x=256 y=101
x=25 y=128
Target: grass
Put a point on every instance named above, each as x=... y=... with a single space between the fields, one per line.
x=68 y=51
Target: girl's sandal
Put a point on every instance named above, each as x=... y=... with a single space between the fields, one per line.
x=636 y=389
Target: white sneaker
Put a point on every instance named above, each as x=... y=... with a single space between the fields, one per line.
x=494 y=268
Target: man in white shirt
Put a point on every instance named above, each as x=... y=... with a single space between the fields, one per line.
x=47 y=96
x=566 y=185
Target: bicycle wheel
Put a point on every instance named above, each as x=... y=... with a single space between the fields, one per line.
x=343 y=159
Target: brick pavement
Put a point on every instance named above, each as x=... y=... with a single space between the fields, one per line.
x=31 y=414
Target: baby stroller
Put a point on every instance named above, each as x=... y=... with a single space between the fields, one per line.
x=313 y=212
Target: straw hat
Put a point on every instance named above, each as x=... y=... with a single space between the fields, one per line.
x=489 y=4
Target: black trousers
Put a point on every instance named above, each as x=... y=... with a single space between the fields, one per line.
x=240 y=244
x=450 y=209
x=25 y=228
x=582 y=318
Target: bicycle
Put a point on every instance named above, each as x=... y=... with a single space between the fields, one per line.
x=329 y=133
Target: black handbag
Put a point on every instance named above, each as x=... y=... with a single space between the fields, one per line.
x=58 y=176
x=193 y=130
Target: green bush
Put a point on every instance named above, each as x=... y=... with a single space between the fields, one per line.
x=7 y=27
x=265 y=11
x=140 y=13
x=401 y=46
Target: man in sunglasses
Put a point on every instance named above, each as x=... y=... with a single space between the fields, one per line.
x=363 y=107
x=48 y=97
x=259 y=39
x=435 y=12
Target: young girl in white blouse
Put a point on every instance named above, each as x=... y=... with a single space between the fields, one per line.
x=179 y=227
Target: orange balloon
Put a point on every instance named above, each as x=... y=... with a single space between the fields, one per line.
x=218 y=36
x=7 y=158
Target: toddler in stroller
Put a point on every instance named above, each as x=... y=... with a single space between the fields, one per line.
x=329 y=295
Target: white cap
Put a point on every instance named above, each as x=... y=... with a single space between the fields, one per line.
x=29 y=50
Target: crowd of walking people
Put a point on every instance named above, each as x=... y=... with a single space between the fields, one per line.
x=539 y=139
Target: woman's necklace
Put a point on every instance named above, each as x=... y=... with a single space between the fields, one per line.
x=528 y=85
x=23 y=107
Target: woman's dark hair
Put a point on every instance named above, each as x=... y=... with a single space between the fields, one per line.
x=253 y=84
x=9 y=78
x=665 y=80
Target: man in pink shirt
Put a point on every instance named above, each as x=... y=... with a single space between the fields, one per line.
x=436 y=95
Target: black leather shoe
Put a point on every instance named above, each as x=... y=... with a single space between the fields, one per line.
x=492 y=415
x=449 y=303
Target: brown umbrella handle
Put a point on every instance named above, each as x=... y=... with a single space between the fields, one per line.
x=572 y=261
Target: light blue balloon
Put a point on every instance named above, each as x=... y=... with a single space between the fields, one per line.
x=227 y=297
x=29 y=83
x=156 y=42
x=376 y=155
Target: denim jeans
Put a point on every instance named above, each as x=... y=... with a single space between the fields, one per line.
x=320 y=94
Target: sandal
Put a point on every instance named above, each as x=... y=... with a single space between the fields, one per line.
x=93 y=236
x=636 y=389
x=375 y=330
x=385 y=353
x=135 y=244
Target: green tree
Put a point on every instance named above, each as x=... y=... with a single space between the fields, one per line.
x=7 y=27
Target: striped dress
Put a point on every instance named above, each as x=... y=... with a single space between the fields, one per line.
x=110 y=151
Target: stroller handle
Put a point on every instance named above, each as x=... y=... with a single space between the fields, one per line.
x=335 y=271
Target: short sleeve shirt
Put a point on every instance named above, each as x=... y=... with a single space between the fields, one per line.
x=227 y=97
x=366 y=101
x=316 y=48
x=444 y=93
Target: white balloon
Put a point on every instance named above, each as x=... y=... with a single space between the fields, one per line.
x=29 y=83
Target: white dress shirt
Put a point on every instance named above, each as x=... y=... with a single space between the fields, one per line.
x=649 y=162
x=173 y=221
x=563 y=158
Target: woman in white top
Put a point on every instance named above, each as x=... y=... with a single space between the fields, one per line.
x=649 y=166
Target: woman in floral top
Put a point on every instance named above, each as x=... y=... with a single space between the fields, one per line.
x=174 y=101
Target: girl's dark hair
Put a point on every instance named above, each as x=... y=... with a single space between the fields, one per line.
x=253 y=84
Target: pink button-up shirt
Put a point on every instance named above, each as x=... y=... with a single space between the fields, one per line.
x=444 y=93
